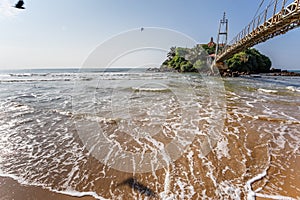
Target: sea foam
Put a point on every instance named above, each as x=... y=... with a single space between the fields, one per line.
x=267 y=91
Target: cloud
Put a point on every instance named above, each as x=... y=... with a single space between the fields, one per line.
x=7 y=9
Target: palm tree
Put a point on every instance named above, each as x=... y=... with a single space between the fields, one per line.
x=171 y=53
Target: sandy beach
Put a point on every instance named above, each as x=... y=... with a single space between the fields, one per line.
x=11 y=189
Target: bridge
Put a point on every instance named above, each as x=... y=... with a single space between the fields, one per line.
x=279 y=17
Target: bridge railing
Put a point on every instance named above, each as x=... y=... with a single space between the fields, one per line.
x=276 y=10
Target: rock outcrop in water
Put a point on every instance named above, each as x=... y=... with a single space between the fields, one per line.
x=186 y=60
x=250 y=61
x=176 y=61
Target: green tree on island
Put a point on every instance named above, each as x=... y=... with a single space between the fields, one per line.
x=186 y=59
x=250 y=61
x=193 y=60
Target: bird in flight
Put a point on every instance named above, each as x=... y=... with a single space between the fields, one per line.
x=20 y=4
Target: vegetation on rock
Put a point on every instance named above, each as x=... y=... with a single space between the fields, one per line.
x=186 y=59
x=194 y=59
x=249 y=61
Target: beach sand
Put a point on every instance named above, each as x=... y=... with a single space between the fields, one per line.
x=11 y=189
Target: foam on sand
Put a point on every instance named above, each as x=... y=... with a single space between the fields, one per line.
x=69 y=191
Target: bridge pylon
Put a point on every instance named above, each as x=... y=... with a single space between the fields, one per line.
x=278 y=18
x=222 y=34
x=222 y=39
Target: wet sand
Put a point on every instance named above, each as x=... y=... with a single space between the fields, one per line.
x=11 y=189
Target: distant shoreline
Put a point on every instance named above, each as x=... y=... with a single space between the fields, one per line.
x=274 y=72
x=291 y=72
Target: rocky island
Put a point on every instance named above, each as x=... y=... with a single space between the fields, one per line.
x=249 y=61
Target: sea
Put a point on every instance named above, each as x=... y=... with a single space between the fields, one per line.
x=124 y=133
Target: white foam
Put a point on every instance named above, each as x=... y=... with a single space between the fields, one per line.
x=66 y=113
x=251 y=194
x=19 y=180
x=4 y=75
x=74 y=193
x=267 y=91
x=185 y=191
x=164 y=194
x=228 y=190
x=191 y=162
x=248 y=187
x=150 y=89
x=222 y=148
x=293 y=89
x=277 y=197
x=21 y=74
x=68 y=191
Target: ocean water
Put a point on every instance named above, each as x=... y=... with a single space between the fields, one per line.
x=297 y=71
x=132 y=134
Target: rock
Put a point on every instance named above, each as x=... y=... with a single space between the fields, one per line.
x=273 y=70
x=235 y=74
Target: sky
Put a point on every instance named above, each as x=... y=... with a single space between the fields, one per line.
x=64 y=33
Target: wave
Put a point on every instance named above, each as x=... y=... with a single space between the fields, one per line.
x=22 y=75
x=267 y=91
x=293 y=89
x=272 y=119
x=32 y=80
x=69 y=192
x=276 y=197
x=151 y=89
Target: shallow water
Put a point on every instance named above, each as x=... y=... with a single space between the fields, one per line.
x=140 y=135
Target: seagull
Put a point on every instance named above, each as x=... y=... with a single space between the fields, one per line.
x=20 y=4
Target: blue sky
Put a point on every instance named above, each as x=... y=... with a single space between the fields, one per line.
x=63 y=33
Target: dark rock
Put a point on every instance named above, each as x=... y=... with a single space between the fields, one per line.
x=235 y=74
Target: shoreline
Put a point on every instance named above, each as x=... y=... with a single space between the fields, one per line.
x=229 y=73
x=12 y=189
x=271 y=73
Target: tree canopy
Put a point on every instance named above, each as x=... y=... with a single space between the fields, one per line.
x=250 y=61
x=186 y=59
x=195 y=59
